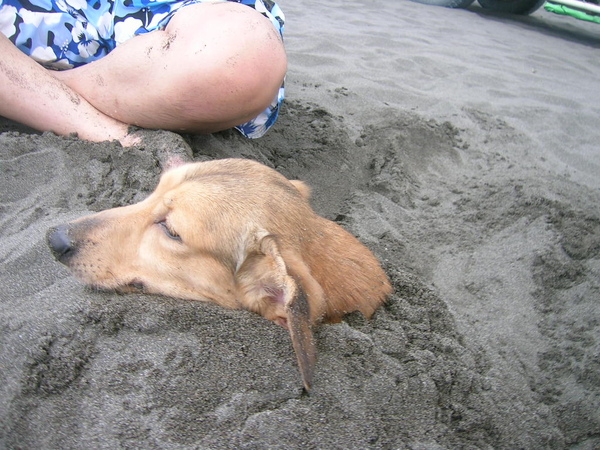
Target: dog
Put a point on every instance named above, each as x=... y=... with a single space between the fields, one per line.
x=236 y=233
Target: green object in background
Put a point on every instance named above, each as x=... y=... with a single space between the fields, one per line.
x=567 y=11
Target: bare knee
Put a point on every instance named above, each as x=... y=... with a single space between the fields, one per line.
x=231 y=63
x=216 y=65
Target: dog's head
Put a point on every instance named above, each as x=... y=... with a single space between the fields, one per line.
x=236 y=233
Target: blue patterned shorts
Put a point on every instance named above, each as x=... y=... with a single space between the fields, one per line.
x=63 y=34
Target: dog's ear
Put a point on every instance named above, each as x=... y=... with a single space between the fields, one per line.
x=302 y=187
x=277 y=284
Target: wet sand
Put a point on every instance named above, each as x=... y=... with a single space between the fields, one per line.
x=461 y=146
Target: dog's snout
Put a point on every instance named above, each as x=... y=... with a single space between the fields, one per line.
x=60 y=243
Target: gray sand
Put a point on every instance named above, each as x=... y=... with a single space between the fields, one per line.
x=460 y=146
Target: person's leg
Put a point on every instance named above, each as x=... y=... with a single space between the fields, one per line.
x=216 y=65
x=30 y=95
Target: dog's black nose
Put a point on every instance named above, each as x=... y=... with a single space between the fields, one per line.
x=60 y=243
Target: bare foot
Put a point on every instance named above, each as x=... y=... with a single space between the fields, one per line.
x=170 y=148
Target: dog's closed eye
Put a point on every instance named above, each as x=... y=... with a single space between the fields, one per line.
x=137 y=286
x=168 y=230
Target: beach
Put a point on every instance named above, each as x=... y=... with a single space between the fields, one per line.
x=461 y=146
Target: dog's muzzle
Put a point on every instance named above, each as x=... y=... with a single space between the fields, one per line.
x=60 y=243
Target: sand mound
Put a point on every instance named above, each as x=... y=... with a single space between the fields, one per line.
x=93 y=369
x=443 y=140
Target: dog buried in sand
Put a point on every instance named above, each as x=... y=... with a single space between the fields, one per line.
x=236 y=233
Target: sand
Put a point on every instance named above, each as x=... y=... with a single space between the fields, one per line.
x=461 y=146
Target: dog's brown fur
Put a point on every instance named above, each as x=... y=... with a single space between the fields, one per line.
x=236 y=233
